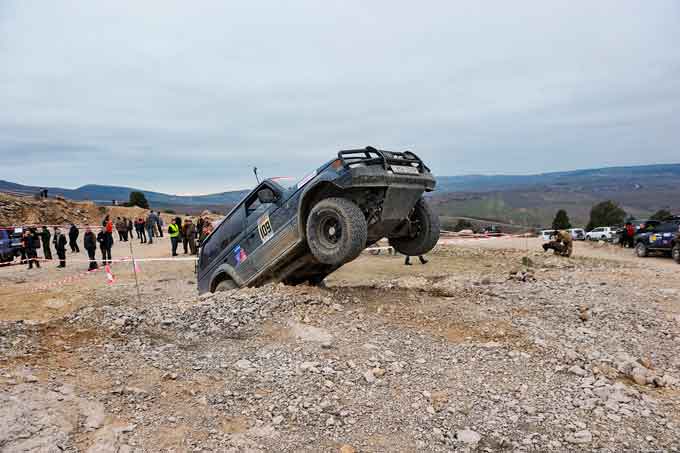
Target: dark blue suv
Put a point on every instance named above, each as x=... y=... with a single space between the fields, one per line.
x=659 y=237
x=10 y=244
x=298 y=232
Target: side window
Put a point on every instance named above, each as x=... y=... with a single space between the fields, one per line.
x=667 y=227
x=260 y=201
x=222 y=237
x=233 y=227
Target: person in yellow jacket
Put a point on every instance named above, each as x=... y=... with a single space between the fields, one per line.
x=173 y=232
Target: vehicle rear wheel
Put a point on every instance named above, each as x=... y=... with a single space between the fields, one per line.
x=336 y=231
x=225 y=285
x=424 y=230
x=641 y=250
x=675 y=253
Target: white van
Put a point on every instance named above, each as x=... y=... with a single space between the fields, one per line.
x=577 y=234
x=546 y=234
x=600 y=234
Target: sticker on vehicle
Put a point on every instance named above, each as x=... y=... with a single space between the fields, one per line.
x=264 y=227
x=306 y=179
x=240 y=254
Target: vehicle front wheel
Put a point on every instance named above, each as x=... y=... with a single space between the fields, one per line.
x=225 y=285
x=423 y=234
x=675 y=253
x=336 y=231
x=641 y=250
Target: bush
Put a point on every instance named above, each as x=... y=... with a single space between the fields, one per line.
x=462 y=225
x=661 y=214
x=138 y=199
x=561 y=221
x=607 y=213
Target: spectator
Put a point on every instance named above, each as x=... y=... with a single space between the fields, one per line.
x=60 y=244
x=189 y=233
x=630 y=234
x=120 y=228
x=141 y=225
x=173 y=232
x=73 y=238
x=90 y=244
x=150 y=223
x=108 y=236
x=205 y=232
x=28 y=244
x=159 y=223
x=46 y=236
x=130 y=228
x=422 y=259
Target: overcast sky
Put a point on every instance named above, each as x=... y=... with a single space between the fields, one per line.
x=185 y=97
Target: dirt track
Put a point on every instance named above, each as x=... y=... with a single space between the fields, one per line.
x=471 y=352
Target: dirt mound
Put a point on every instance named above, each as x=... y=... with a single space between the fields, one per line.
x=16 y=210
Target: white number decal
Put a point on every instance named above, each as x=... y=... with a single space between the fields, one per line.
x=264 y=226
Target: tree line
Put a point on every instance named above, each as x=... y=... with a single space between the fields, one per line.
x=606 y=213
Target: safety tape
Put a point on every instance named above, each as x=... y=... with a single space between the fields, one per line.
x=117 y=260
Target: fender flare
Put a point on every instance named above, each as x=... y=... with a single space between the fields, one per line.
x=324 y=182
x=226 y=270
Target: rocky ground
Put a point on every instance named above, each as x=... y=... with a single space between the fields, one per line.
x=482 y=349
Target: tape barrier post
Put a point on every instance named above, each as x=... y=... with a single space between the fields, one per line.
x=110 y=278
x=134 y=272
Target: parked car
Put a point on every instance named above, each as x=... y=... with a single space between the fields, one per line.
x=10 y=244
x=301 y=232
x=600 y=234
x=492 y=229
x=577 y=234
x=546 y=234
x=663 y=237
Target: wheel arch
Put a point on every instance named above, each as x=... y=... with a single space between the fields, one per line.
x=224 y=272
x=311 y=196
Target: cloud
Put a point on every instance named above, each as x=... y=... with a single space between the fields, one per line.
x=181 y=97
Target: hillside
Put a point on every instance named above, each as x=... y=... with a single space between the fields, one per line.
x=517 y=199
x=22 y=210
x=534 y=199
x=105 y=194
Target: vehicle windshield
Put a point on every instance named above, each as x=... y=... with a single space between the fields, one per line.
x=287 y=182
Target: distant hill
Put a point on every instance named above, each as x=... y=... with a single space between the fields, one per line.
x=517 y=199
x=534 y=199
x=105 y=194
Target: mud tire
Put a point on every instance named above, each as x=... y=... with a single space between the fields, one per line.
x=426 y=233
x=336 y=231
x=225 y=285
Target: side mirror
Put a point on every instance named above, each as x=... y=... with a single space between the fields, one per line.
x=266 y=196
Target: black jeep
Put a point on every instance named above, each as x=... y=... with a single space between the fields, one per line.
x=297 y=232
x=659 y=237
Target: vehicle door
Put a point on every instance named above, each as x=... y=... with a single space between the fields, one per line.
x=264 y=221
x=4 y=242
x=663 y=235
x=216 y=250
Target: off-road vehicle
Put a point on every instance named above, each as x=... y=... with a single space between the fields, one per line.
x=10 y=243
x=661 y=237
x=297 y=232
